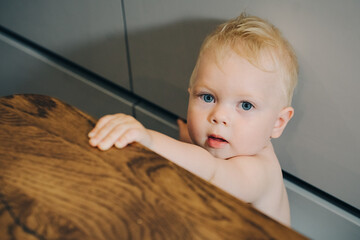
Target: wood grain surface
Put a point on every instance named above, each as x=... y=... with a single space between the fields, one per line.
x=54 y=185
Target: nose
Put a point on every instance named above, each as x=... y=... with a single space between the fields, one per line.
x=219 y=116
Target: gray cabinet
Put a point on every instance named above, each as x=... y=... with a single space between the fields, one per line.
x=318 y=219
x=321 y=143
x=23 y=70
x=164 y=44
x=153 y=118
x=89 y=33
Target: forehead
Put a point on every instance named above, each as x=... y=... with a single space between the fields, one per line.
x=231 y=64
x=233 y=74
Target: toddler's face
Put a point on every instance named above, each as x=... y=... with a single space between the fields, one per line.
x=233 y=106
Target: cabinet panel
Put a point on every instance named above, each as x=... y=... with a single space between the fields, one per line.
x=320 y=145
x=318 y=219
x=163 y=44
x=87 y=32
x=157 y=120
x=25 y=71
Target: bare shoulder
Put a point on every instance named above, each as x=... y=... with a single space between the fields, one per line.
x=259 y=181
x=249 y=177
x=264 y=164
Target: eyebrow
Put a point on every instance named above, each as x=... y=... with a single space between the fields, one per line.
x=202 y=87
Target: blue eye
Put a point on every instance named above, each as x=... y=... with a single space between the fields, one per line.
x=246 y=106
x=207 y=98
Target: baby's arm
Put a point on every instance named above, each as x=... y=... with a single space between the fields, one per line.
x=121 y=129
x=243 y=177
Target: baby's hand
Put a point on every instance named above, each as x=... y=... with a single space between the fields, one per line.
x=183 y=131
x=119 y=130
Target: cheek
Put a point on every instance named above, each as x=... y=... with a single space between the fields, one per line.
x=252 y=136
x=263 y=133
x=264 y=129
x=194 y=114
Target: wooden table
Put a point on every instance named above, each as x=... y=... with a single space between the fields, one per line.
x=53 y=185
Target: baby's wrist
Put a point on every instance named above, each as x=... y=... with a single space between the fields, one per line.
x=147 y=138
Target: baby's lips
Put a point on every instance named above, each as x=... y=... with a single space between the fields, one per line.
x=217 y=137
x=216 y=142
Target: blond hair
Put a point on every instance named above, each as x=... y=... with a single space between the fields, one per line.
x=253 y=39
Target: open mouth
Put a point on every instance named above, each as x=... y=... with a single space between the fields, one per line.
x=217 y=138
x=215 y=141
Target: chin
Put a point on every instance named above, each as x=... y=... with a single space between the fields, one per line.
x=219 y=153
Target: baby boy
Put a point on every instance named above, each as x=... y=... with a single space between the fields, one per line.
x=240 y=98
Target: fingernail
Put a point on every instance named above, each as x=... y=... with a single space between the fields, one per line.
x=93 y=142
x=118 y=145
x=104 y=147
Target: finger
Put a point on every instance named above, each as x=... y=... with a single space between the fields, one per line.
x=129 y=136
x=106 y=129
x=183 y=131
x=100 y=124
x=112 y=137
x=181 y=123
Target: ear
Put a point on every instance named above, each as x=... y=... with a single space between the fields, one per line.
x=189 y=90
x=283 y=118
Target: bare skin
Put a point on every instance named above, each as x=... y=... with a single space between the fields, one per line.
x=234 y=111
